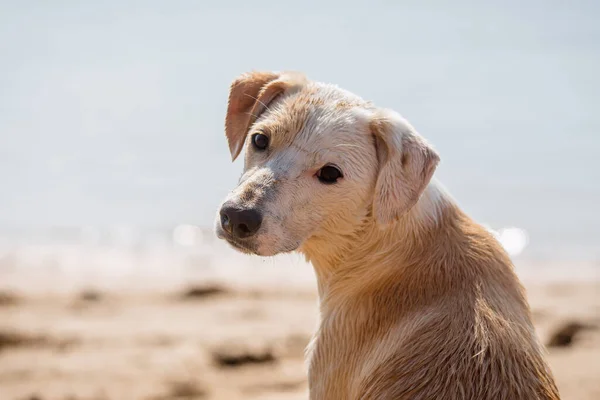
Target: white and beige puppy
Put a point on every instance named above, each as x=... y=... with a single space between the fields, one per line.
x=417 y=301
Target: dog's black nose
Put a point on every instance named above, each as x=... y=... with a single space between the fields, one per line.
x=240 y=223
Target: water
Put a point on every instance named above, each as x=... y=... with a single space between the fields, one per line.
x=112 y=114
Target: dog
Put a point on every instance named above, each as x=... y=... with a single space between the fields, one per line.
x=417 y=301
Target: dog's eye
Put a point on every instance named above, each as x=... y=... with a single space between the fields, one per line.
x=329 y=174
x=260 y=141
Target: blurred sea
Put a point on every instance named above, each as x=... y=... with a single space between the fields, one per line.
x=124 y=258
x=59 y=260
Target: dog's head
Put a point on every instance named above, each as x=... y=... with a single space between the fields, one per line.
x=319 y=160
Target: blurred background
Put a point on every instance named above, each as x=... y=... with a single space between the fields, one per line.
x=113 y=162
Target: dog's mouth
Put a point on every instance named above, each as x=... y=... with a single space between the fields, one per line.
x=236 y=243
x=250 y=246
x=243 y=247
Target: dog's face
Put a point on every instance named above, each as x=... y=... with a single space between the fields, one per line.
x=319 y=161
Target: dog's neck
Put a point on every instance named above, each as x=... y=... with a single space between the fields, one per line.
x=335 y=254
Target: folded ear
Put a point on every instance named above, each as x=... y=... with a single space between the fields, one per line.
x=249 y=96
x=406 y=164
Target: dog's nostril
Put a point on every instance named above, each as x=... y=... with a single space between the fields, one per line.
x=225 y=222
x=243 y=228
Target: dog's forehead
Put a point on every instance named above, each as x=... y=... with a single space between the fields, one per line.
x=319 y=114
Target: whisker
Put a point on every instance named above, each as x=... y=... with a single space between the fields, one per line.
x=252 y=97
x=249 y=113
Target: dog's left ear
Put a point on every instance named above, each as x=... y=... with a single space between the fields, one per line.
x=406 y=164
x=249 y=96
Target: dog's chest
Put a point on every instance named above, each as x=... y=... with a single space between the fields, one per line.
x=331 y=369
x=336 y=355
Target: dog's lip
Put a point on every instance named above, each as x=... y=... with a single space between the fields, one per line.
x=246 y=248
x=240 y=246
x=221 y=234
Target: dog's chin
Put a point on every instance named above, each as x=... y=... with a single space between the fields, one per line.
x=250 y=247
x=259 y=250
x=271 y=252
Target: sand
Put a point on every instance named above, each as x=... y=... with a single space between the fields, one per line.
x=214 y=342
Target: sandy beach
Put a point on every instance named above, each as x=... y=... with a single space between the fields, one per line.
x=212 y=341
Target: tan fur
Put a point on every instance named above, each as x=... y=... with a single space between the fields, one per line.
x=425 y=313
x=417 y=301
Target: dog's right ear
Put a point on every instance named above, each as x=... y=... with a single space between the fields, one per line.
x=249 y=96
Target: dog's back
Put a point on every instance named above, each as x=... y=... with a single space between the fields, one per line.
x=448 y=320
